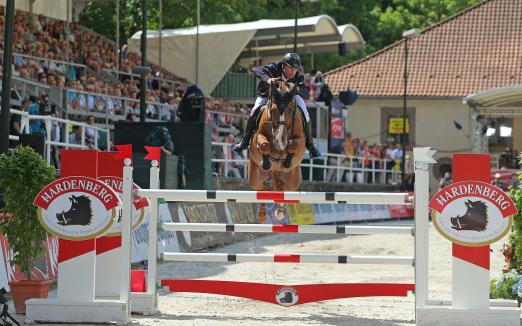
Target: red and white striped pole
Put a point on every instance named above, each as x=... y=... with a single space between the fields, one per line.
x=471 y=264
x=76 y=259
x=108 y=248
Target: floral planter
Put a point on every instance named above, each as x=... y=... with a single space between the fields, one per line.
x=25 y=290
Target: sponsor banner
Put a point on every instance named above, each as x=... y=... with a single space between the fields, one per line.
x=139 y=209
x=472 y=213
x=77 y=208
x=338 y=115
x=200 y=213
x=46 y=264
x=167 y=240
x=401 y=211
x=301 y=214
x=287 y=296
x=396 y=125
x=330 y=213
x=336 y=130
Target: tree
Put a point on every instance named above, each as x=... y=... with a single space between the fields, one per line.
x=381 y=22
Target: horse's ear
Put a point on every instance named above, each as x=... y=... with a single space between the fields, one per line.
x=273 y=89
x=294 y=90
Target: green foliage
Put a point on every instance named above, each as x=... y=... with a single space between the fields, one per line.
x=509 y=286
x=381 y=22
x=22 y=176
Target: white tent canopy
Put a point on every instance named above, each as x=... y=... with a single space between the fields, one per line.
x=497 y=97
x=220 y=45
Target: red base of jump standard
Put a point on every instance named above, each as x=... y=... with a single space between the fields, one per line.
x=306 y=293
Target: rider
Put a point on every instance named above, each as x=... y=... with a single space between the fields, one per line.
x=287 y=70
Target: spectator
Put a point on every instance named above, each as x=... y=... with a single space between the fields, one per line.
x=445 y=181
x=56 y=137
x=91 y=134
x=131 y=117
x=15 y=122
x=317 y=84
x=35 y=125
x=497 y=182
x=183 y=172
x=506 y=159
x=389 y=157
x=76 y=137
x=160 y=137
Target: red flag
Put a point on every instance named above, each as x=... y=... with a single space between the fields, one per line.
x=125 y=151
x=154 y=153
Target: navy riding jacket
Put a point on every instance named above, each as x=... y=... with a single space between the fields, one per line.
x=275 y=70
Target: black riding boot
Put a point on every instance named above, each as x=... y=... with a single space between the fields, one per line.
x=249 y=131
x=309 y=141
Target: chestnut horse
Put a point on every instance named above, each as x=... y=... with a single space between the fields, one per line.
x=278 y=145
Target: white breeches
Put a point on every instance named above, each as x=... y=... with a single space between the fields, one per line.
x=260 y=101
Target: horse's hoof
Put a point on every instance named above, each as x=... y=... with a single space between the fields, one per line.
x=280 y=215
x=288 y=160
x=261 y=217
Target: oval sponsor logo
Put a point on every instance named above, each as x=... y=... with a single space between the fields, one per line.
x=139 y=207
x=77 y=208
x=287 y=296
x=472 y=213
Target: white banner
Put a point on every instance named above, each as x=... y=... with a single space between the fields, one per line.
x=167 y=240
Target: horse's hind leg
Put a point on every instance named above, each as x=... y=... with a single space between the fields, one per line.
x=256 y=179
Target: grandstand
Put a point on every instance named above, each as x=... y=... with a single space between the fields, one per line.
x=69 y=73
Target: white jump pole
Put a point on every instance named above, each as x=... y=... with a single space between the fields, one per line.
x=423 y=157
x=153 y=232
x=289 y=228
x=126 y=225
x=286 y=258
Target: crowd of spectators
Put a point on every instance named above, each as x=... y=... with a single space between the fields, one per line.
x=87 y=65
x=361 y=155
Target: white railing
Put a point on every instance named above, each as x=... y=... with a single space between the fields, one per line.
x=332 y=169
x=64 y=125
x=45 y=61
x=121 y=107
x=117 y=73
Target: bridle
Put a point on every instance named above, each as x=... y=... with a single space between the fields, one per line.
x=279 y=136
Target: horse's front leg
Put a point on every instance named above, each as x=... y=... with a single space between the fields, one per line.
x=291 y=148
x=263 y=144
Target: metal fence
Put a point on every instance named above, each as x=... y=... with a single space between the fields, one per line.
x=236 y=86
x=54 y=140
x=330 y=168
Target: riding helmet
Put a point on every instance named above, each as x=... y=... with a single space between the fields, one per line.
x=292 y=59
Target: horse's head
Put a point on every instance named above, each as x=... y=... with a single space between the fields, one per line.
x=281 y=97
x=475 y=218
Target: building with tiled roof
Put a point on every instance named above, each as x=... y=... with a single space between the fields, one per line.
x=473 y=51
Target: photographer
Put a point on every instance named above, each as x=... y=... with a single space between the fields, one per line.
x=4 y=314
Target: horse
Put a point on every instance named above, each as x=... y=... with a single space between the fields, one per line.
x=278 y=145
x=475 y=218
